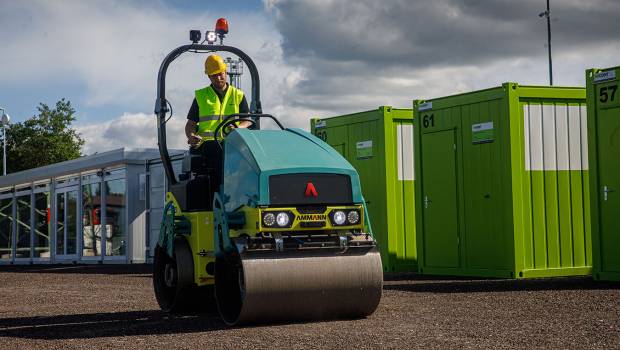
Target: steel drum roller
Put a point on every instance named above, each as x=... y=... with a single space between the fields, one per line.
x=274 y=288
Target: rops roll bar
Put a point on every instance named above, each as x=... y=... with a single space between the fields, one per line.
x=161 y=104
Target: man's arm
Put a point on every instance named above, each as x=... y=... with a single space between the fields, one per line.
x=243 y=109
x=243 y=106
x=190 y=132
x=191 y=124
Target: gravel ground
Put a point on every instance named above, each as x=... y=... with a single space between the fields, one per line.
x=86 y=307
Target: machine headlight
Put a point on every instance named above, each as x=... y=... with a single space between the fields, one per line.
x=353 y=217
x=269 y=219
x=211 y=37
x=283 y=219
x=339 y=217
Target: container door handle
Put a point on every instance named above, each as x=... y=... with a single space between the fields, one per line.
x=606 y=191
x=427 y=202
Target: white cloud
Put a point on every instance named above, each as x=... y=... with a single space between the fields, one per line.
x=109 y=47
x=114 y=48
x=131 y=131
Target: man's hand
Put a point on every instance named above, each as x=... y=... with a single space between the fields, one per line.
x=190 y=132
x=194 y=139
x=244 y=124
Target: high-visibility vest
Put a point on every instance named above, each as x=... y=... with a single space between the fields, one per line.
x=211 y=111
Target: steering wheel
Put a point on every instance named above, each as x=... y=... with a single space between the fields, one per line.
x=228 y=125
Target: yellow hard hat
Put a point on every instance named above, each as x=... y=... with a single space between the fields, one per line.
x=214 y=65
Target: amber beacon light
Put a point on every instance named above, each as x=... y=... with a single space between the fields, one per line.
x=221 y=26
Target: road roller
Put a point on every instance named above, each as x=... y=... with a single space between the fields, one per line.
x=284 y=236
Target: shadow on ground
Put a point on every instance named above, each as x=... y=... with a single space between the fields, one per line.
x=107 y=325
x=120 y=324
x=103 y=269
x=414 y=276
x=486 y=286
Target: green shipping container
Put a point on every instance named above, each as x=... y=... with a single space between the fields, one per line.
x=502 y=183
x=604 y=135
x=379 y=144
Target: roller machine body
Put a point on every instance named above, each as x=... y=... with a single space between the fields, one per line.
x=284 y=237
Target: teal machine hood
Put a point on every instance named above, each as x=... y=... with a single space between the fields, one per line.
x=253 y=158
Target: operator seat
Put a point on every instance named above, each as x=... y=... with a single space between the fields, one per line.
x=200 y=178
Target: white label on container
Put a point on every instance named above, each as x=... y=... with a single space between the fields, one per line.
x=425 y=106
x=364 y=149
x=482 y=132
x=320 y=124
x=604 y=76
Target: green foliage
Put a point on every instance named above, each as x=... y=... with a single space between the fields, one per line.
x=44 y=139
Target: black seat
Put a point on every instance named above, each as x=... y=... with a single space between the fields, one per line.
x=200 y=178
x=195 y=194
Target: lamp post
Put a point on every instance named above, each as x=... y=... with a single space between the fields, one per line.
x=234 y=71
x=547 y=14
x=5 y=119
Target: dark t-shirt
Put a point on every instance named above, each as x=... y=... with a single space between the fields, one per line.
x=193 y=110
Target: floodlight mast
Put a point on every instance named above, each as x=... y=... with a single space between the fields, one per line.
x=547 y=14
x=161 y=104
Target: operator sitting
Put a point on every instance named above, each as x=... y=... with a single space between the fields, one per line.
x=211 y=105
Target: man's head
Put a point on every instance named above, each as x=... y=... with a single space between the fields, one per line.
x=215 y=68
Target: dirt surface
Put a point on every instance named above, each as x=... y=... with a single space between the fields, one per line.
x=87 y=307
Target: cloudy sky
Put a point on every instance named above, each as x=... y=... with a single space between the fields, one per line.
x=315 y=57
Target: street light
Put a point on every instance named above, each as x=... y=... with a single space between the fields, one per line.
x=548 y=15
x=4 y=120
x=234 y=71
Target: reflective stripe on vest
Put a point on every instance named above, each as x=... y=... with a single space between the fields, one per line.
x=208 y=118
x=211 y=111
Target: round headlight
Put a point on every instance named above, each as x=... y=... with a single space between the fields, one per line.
x=282 y=219
x=353 y=217
x=339 y=217
x=269 y=219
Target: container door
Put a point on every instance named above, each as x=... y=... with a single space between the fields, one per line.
x=485 y=178
x=609 y=174
x=440 y=199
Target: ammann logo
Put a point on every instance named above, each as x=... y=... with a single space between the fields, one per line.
x=312 y=217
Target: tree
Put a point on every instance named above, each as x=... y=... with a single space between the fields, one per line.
x=44 y=139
